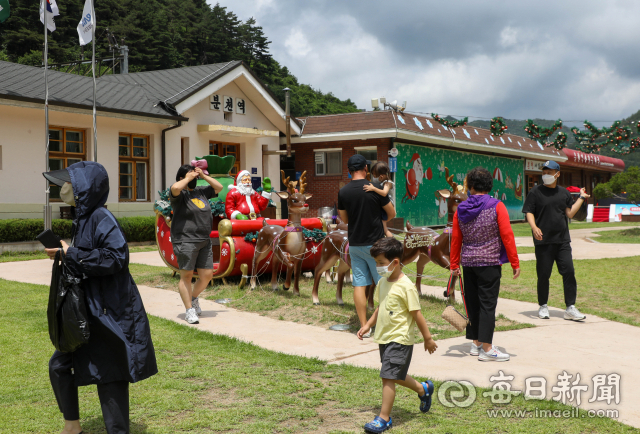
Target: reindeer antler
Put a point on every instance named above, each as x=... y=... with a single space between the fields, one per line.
x=285 y=181
x=450 y=179
x=289 y=185
x=303 y=181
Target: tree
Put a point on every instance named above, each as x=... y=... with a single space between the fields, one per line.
x=625 y=182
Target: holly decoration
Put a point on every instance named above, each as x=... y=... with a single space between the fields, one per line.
x=313 y=235
x=163 y=205
x=560 y=142
x=498 y=127
x=615 y=136
x=251 y=237
x=537 y=132
x=449 y=124
x=624 y=150
x=217 y=208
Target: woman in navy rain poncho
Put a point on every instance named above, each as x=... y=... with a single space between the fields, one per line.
x=119 y=350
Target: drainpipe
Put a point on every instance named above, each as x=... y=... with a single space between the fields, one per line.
x=164 y=154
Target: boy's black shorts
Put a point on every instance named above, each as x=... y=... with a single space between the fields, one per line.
x=395 y=359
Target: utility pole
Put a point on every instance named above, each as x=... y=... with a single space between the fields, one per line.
x=287 y=118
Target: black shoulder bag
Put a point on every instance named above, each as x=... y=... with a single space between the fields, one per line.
x=67 y=311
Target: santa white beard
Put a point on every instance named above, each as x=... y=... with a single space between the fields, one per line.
x=245 y=190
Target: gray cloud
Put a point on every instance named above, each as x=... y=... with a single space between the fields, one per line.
x=570 y=59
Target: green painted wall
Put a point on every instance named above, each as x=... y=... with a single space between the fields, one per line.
x=423 y=209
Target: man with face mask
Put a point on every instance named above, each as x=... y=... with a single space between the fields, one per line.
x=191 y=227
x=548 y=208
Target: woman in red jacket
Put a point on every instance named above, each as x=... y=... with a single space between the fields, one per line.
x=482 y=240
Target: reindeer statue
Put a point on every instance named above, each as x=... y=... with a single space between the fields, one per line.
x=336 y=246
x=426 y=245
x=288 y=243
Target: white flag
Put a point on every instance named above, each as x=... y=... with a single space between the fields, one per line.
x=52 y=11
x=86 y=24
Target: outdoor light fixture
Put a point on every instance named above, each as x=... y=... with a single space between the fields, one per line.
x=374 y=103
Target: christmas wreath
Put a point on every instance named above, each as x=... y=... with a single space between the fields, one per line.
x=449 y=124
x=537 y=132
x=498 y=127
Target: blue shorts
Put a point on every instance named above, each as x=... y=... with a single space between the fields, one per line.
x=363 y=266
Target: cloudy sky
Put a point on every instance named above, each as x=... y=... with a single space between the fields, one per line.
x=569 y=59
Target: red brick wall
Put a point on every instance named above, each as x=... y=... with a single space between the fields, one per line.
x=325 y=188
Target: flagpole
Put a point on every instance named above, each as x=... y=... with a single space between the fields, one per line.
x=47 y=208
x=93 y=69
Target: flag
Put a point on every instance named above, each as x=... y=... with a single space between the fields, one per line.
x=4 y=10
x=52 y=11
x=86 y=24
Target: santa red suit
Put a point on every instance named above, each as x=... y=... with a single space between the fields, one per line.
x=243 y=199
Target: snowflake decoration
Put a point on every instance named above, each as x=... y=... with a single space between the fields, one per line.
x=314 y=249
x=162 y=234
x=164 y=254
x=172 y=257
x=169 y=239
x=157 y=229
x=225 y=252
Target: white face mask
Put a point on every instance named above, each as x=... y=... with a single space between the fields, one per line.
x=384 y=271
x=375 y=179
x=548 y=179
x=66 y=194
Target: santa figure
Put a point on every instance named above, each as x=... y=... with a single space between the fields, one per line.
x=414 y=177
x=243 y=202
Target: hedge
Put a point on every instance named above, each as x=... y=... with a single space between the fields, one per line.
x=16 y=230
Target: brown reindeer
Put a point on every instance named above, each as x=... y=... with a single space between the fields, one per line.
x=426 y=245
x=288 y=243
x=336 y=246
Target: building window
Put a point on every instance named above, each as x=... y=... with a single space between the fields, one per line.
x=328 y=162
x=133 y=152
x=66 y=147
x=370 y=154
x=223 y=149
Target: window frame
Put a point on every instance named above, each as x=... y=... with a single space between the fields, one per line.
x=134 y=160
x=63 y=154
x=324 y=153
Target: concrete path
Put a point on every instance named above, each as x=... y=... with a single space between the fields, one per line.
x=595 y=346
x=584 y=243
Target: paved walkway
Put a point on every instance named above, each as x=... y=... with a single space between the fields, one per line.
x=584 y=243
x=596 y=346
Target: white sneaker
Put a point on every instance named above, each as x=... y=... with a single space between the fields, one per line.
x=191 y=316
x=543 y=312
x=494 y=355
x=573 y=314
x=195 y=303
x=475 y=350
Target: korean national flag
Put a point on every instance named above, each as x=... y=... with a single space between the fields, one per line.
x=87 y=23
x=52 y=11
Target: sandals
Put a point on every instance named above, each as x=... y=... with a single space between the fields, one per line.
x=425 y=400
x=378 y=425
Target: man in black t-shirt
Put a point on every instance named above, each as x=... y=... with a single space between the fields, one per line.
x=191 y=226
x=548 y=209
x=362 y=210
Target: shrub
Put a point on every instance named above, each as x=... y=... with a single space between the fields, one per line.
x=15 y=230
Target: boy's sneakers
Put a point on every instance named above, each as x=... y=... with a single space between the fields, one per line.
x=573 y=314
x=191 y=316
x=378 y=425
x=195 y=303
x=475 y=350
x=425 y=400
x=543 y=312
x=493 y=355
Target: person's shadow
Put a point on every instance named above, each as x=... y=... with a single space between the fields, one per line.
x=95 y=425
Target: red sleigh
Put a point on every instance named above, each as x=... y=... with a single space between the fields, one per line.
x=232 y=255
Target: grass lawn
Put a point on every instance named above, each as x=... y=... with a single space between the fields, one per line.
x=607 y=287
x=523 y=250
x=627 y=236
x=210 y=383
x=28 y=256
x=285 y=306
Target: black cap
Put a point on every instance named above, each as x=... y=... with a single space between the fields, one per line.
x=357 y=162
x=57 y=177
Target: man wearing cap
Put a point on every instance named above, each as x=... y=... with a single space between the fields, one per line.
x=548 y=208
x=361 y=210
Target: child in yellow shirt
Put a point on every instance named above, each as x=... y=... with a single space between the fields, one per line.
x=396 y=317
